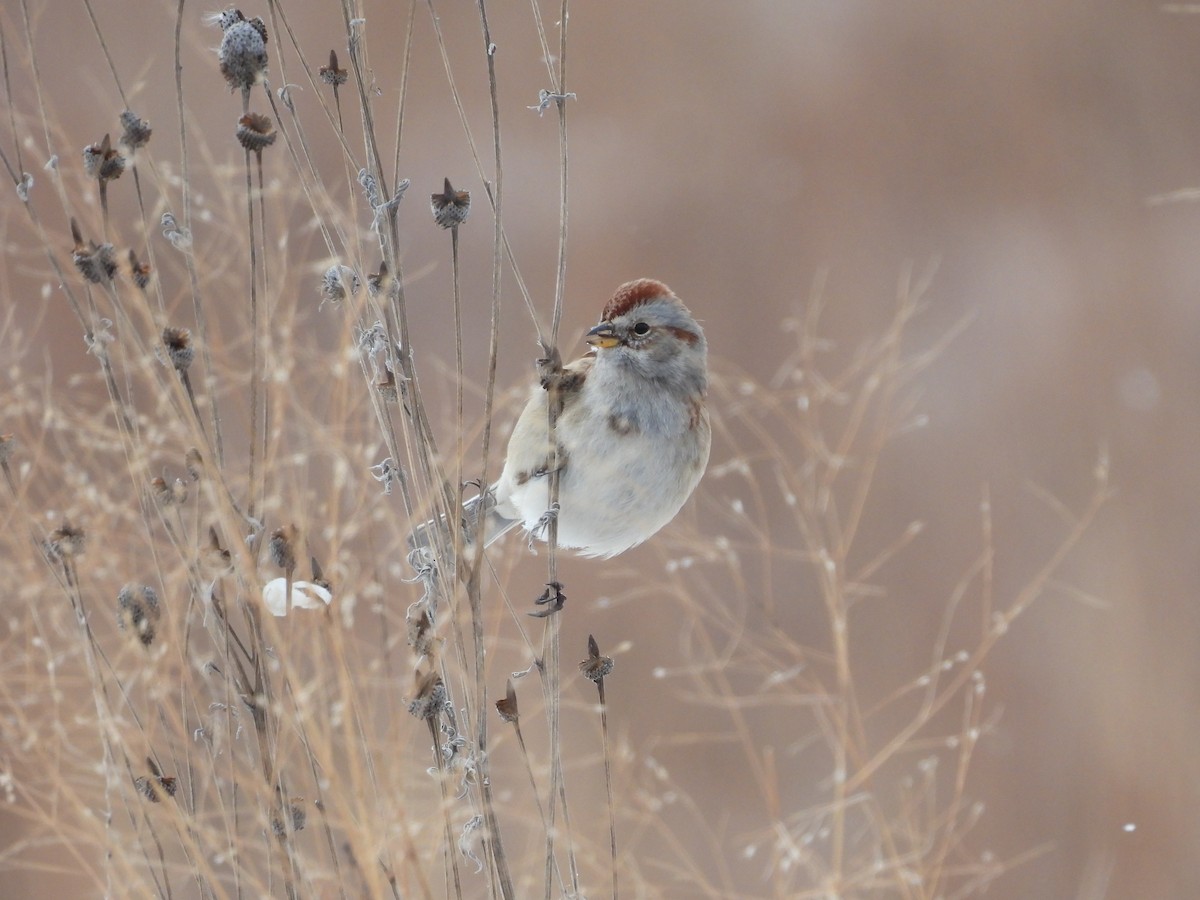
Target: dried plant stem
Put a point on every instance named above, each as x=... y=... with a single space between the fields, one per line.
x=210 y=382
x=451 y=853
x=612 y=811
x=257 y=342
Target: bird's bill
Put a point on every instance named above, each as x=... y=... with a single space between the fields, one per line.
x=602 y=336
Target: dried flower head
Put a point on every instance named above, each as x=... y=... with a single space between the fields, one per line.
x=215 y=559
x=450 y=207
x=331 y=74
x=378 y=282
x=281 y=547
x=507 y=705
x=595 y=667
x=173 y=494
x=137 y=130
x=296 y=813
x=138 y=611
x=66 y=541
x=337 y=283
x=420 y=633
x=431 y=696
x=387 y=387
x=102 y=162
x=160 y=490
x=243 y=50
x=138 y=270
x=177 y=346
x=255 y=132
x=194 y=463
x=95 y=262
x=155 y=787
x=318 y=575
x=552 y=600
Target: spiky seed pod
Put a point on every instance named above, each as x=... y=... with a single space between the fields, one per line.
x=195 y=463
x=66 y=541
x=450 y=207
x=430 y=696
x=281 y=548
x=155 y=787
x=138 y=611
x=137 y=130
x=386 y=387
x=297 y=814
x=337 y=283
x=595 y=667
x=95 y=262
x=331 y=74
x=507 y=705
x=420 y=633
x=255 y=132
x=243 y=51
x=378 y=281
x=102 y=162
x=138 y=270
x=177 y=344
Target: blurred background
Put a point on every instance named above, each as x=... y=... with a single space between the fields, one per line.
x=1039 y=154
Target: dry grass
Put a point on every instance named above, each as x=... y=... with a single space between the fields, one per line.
x=192 y=745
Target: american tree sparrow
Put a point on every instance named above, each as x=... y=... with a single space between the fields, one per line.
x=633 y=432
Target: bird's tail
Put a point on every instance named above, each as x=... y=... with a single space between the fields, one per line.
x=424 y=536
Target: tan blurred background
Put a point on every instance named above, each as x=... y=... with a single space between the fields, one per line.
x=740 y=151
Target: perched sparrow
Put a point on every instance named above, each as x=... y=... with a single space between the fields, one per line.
x=633 y=432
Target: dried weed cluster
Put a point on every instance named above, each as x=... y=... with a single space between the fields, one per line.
x=251 y=425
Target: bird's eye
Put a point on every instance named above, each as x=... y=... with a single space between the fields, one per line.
x=641 y=328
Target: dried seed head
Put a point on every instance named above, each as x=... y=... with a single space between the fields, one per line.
x=551 y=600
x=214 y=558
x=177 y=345
x=281 y=548
x=138 y=270
x=297 y=814
x=387 y=387
x=255 y=132
x=420 y=633
x=66 y=542
x=8 y=443
x=378 y=282
x=95 y=262
x=243 y=50
x=337 y=283
x=161 y=490
x=431 y=697
x=331 y=74
x=450 y=207
x=195 y=463
x=102 y=162
x=173 y=494
x=595 y=667
x=155 y=787
x=507 y=706
x=137 y=130
x=138 y=611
